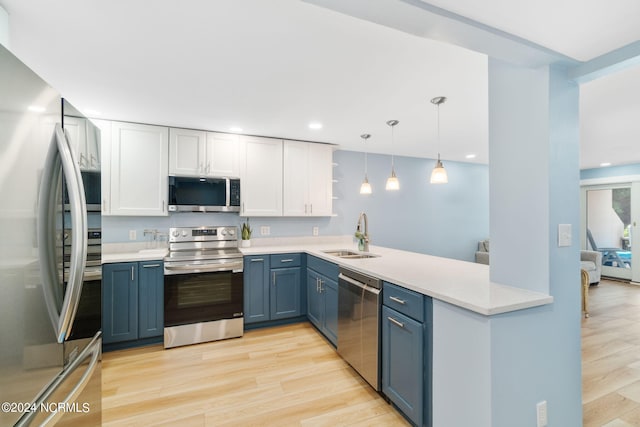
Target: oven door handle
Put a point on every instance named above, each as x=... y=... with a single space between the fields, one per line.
x=235 y=267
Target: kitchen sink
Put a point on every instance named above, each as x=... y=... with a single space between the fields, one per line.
x=349 y=254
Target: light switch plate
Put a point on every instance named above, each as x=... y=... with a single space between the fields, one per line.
x=564 y=235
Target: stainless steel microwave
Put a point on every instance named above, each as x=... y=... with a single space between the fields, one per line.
x=188 y=194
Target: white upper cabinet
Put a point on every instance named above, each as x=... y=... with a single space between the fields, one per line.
x=187 y=151
x=307 y=179
x=222 y=154
x=261 y=177
x=139 y=169
x=105 y=172
x=200 y=153
x=84 y=143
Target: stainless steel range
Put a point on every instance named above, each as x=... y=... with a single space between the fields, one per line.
x=203 y=287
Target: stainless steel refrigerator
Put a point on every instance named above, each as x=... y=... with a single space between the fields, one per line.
x=50 y=301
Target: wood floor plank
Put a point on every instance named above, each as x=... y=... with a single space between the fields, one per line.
x=611 y=356
x=290 y=375
x=286 y=375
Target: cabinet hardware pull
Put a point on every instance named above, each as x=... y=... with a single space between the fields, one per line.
x=286 y=260
x=104 y=205
x=398 y=300
x=274 y=278
x=257 y=259
x=305 y=208
x=150 y=265
x=392 y=320
x=321 y=289
x=311 y=208
x=318 y=284
x=132 y=277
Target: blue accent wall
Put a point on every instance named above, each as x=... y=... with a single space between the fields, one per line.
x=445 y=220
x=610 y=171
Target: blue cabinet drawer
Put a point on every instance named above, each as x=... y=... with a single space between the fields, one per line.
x=327 y=268
x=403 y=300
x=285 y=260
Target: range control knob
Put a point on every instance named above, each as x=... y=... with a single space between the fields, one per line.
x=224 y=232
x=185 y=233
x=232 y=232
x=175 y=233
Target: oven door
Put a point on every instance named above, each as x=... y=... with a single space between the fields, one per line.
x=202 y=297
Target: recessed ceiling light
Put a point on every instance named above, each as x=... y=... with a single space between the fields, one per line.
x=470 y=156
x=36 y=109
x=605 y=164
x=315 y=125
x=235 y=129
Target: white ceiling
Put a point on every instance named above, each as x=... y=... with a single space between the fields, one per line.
x=580 y=29
x=273 y=67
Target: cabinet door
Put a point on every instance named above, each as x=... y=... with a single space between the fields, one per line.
x=315 y=307
x=285 y=293
x=76 y=130
x=119 y=302
x=139 y=169
x=187 y=152
x=222 y=155
x=261 y=180
x=295 y=179
x=256 y=288
x=105 y=163
x=320 y=181
x=402 y=363
x=151 y=299
x=329 y=289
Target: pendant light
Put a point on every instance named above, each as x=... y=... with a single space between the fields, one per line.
x=439 y=174
x=392 y=182
x=365 y=188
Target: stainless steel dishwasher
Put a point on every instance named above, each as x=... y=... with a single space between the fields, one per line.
x=359 y=323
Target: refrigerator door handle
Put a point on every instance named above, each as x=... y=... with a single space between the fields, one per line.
x=78 y=208
x=60 y=158
x=93 y=350
x=46 y=225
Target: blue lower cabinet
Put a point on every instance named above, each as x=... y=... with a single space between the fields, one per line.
x=132 y=301
x=256 y=288
x=407 y=319
x=330 y=292
x=150 y=299
x=119 y=302
x=285 y=293
x=274 y=288
x=402 y=363
x=322 y=297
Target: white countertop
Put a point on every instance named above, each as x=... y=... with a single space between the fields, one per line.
x=461 y=283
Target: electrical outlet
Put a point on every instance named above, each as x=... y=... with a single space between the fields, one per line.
x=315 y=231
x=541 y=411
x=132 y=235
x=265 y=230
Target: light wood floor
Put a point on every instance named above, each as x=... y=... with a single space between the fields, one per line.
x=278 y=376
x=291 y=376
x=611 y=356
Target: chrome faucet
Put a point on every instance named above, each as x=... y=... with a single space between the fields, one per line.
x=364 y=237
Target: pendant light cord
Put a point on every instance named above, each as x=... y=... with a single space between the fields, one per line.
x=438 y=132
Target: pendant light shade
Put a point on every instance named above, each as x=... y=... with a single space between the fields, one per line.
x=439 y=174
x=392 y=182
x=365 y=188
